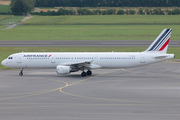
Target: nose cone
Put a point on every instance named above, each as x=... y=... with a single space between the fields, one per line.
x=3 y=62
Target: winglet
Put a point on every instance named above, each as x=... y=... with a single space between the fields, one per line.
x=161 y=43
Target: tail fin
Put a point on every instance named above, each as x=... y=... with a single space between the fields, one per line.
x=161 y=43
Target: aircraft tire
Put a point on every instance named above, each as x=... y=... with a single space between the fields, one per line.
x=89 y=72
x=20 y=74
x=83 y=74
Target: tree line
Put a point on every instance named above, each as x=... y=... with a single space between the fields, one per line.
x=86 y=11
x=18 y=7
x=107 y=3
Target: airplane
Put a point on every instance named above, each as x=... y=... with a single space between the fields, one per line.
x=67 y=62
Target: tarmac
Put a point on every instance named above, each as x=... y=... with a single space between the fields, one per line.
x=144 y=93
x=86 y=43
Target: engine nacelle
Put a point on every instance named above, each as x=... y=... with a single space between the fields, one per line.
x=63 y=69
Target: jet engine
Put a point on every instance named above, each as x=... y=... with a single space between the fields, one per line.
x=63 y=69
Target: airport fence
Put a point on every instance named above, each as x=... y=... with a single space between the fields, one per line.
x=7 y=23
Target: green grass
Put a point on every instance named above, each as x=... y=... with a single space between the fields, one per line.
x=87 y=32
x=14 y=18
x=6 y=51
x=3 y=17
x=104 y=19
x=5 y=8
x=2 y=27
x=6 y=19
x=90 y=32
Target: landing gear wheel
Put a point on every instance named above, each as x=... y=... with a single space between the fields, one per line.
x=89 y=72
x=83 y=74
x=21 y=72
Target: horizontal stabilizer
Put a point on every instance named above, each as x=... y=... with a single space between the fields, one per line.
x=161 y=56
x=167 y=56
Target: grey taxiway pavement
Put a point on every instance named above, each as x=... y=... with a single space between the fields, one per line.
x=88 y=43
x=144 y=93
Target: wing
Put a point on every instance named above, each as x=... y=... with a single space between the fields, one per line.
x=83 y=65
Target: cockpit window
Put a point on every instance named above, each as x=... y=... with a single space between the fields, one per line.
x=10 y=58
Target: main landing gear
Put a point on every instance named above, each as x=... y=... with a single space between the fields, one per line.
x=84 y=74
x=21 y=72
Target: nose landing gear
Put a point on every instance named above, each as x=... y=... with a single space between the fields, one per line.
x=21 y=72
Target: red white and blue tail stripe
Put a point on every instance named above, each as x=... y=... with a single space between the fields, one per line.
x=161 y=43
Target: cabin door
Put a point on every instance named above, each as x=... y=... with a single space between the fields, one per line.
x=19 y=58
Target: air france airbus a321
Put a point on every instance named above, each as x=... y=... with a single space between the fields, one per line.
x=65 y=63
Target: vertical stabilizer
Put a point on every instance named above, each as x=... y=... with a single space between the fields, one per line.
x=161 y=43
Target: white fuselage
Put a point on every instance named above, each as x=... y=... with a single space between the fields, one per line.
x=103 y=59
